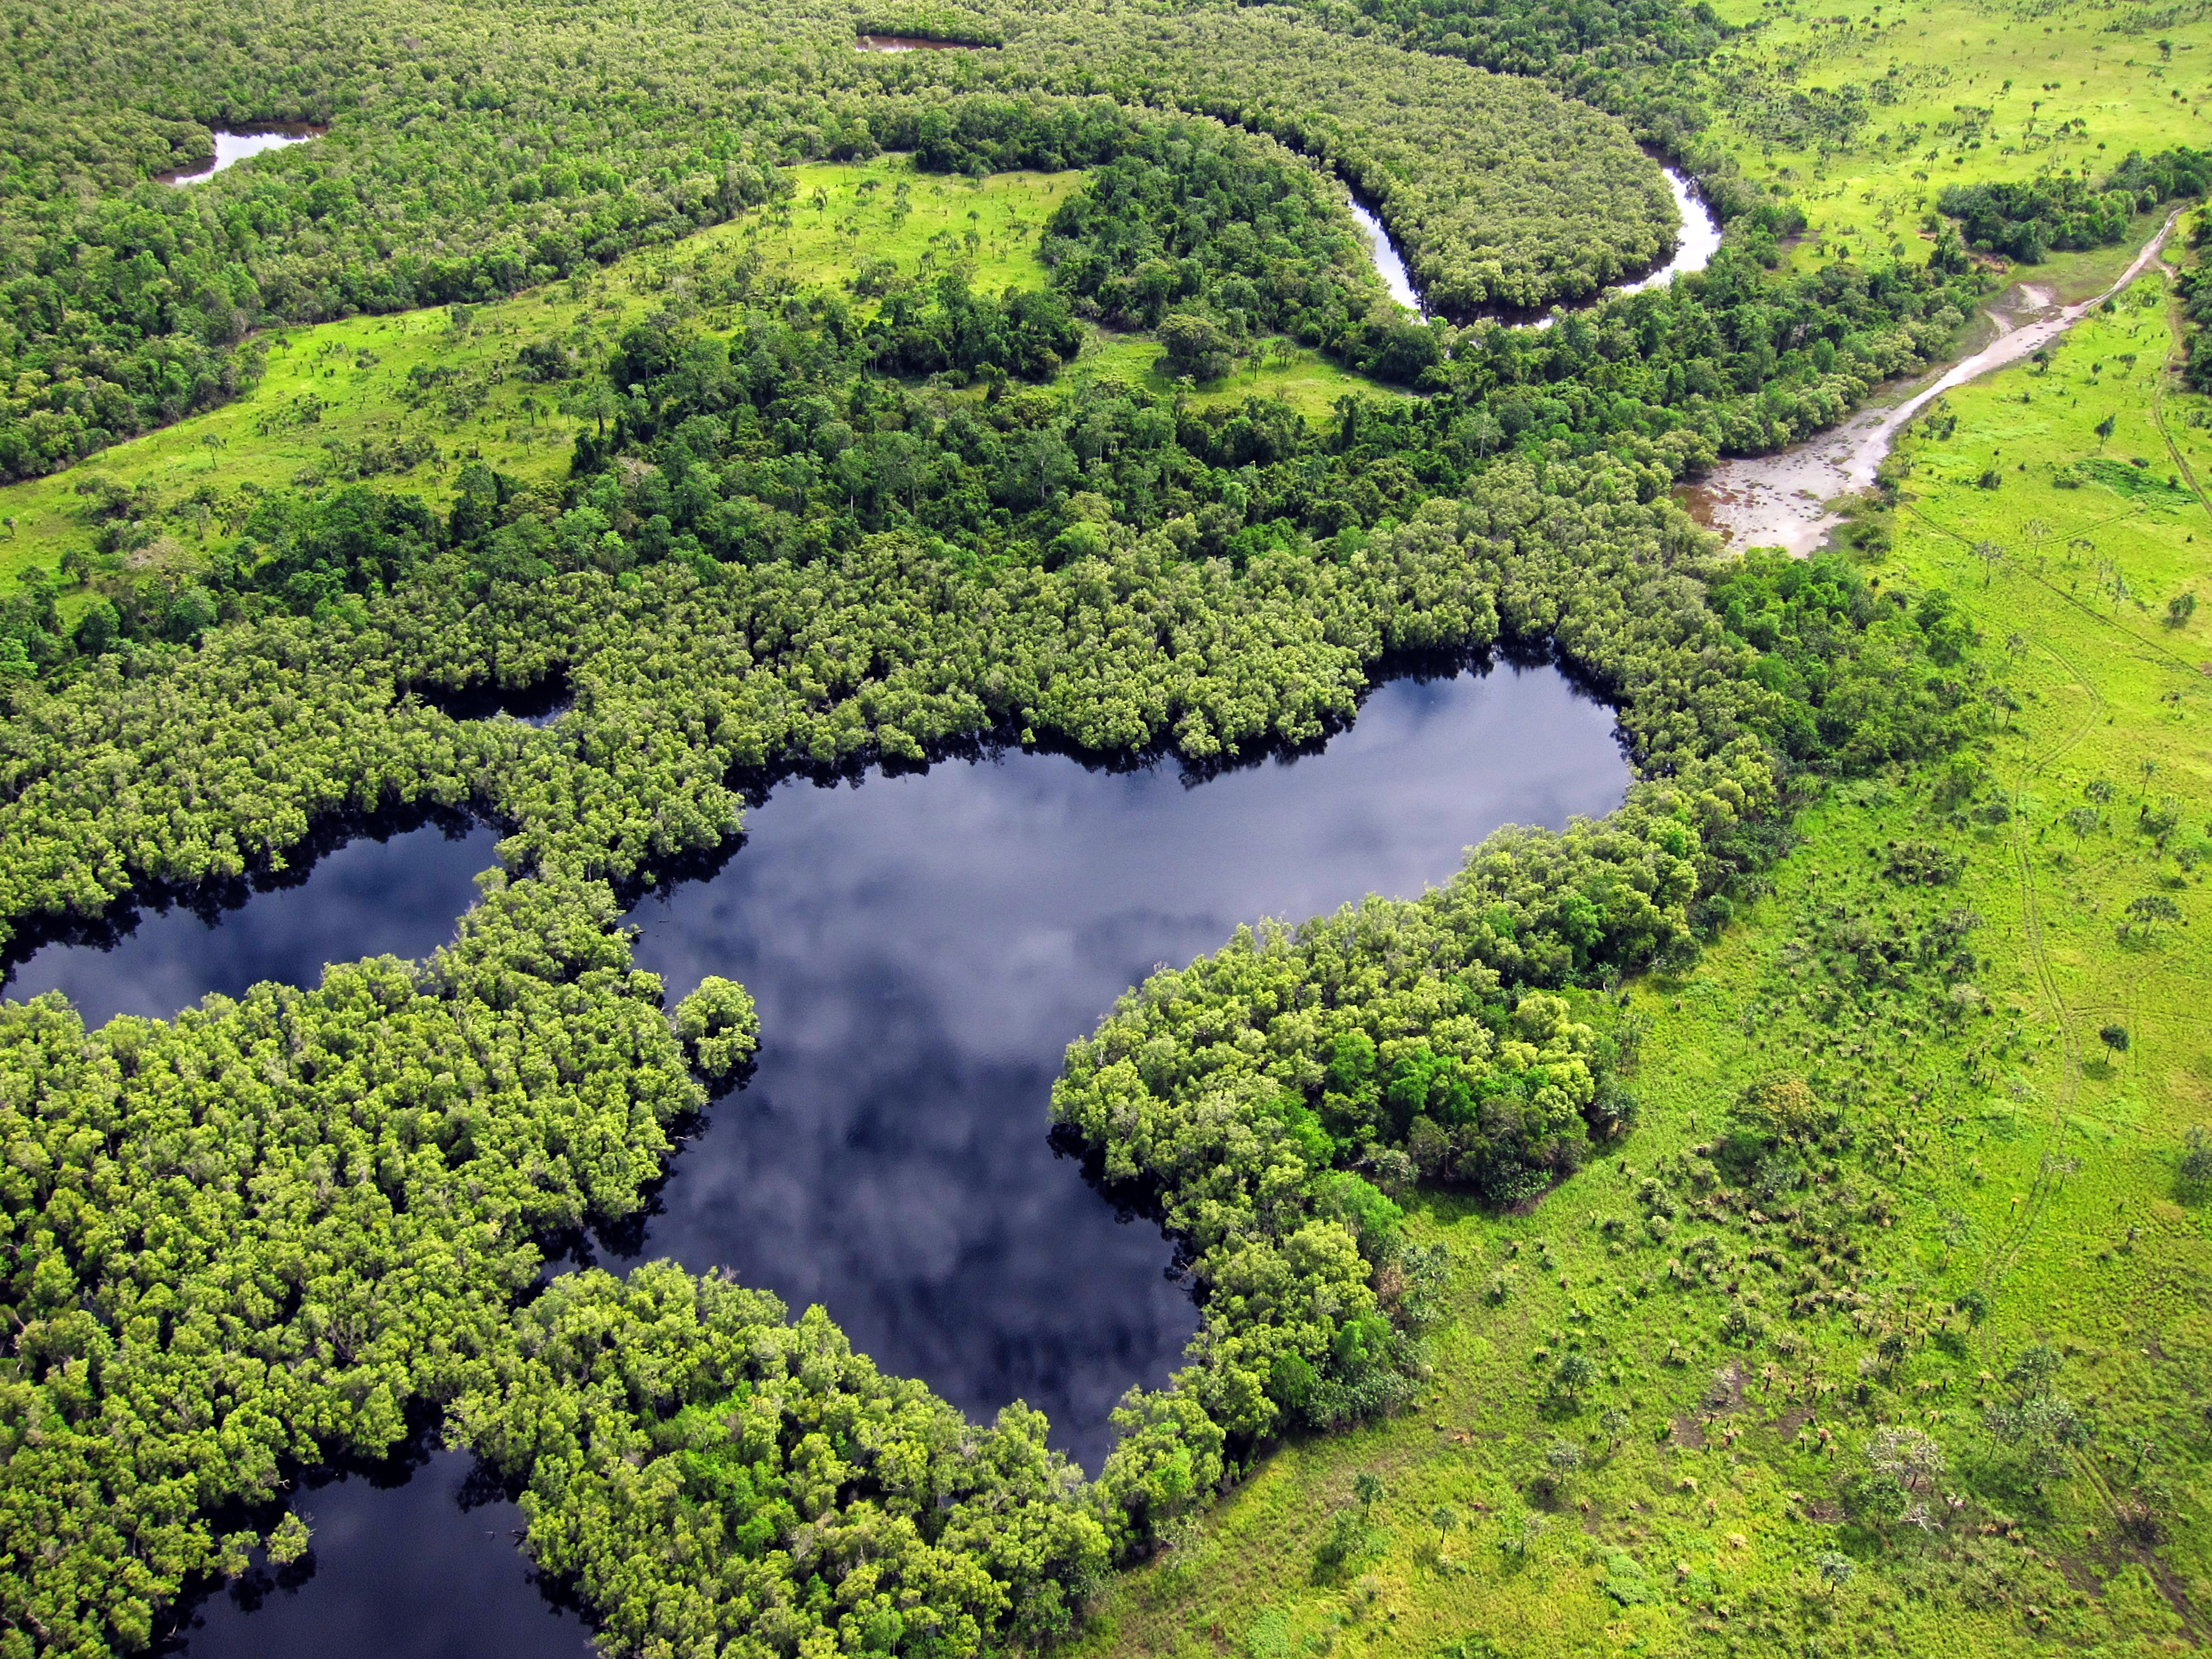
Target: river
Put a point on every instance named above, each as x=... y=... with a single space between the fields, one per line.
x=922 y=947
x=1697 y=239
x=231 y=147
x=1789 y=500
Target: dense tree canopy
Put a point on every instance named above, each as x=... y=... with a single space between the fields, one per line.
x=262 y=1235
x=2026 y=221
x=470 y=153
x=820 y=530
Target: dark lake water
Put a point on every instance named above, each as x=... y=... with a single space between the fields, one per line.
x=922 y=948
x=396 y=894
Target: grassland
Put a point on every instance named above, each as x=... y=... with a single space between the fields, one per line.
x=2022 y=1173
x=1952 y=93
x=421 y=393
x=1301 y=377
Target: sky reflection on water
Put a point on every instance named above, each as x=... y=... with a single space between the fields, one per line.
x=922 y=948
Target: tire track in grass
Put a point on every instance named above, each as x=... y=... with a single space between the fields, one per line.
x=2179 y=342
x=2052 y=1169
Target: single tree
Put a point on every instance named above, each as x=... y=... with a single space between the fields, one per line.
x=1445 y=1519
x=1615 y=1426
x=1572 y=1377
x=2196 y=1157
x=2151 y=912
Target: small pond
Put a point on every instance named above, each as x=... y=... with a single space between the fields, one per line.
x=394 y=891
x=923 y=947
x=231 y=148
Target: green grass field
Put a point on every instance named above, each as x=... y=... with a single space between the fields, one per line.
x=1953 y=93
x=1302 y=378
x=1692 y=1497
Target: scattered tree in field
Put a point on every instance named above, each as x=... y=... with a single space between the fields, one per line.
x=1615 y=1426
x=2150 y=912
x=1571 y=1378
x=2196 y=1167
x=1446 y=1520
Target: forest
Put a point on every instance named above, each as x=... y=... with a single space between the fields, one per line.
x=134 y=304
x=814 y=528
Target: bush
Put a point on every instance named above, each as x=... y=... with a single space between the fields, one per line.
x=719 y=1027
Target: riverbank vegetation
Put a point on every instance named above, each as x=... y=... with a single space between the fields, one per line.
x=516 y=152
x=1669 y=1233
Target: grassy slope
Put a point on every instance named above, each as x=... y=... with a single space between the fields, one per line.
x=2025 y=1159
x=1720 y=1533
x=358 y=369
x=1955 y=53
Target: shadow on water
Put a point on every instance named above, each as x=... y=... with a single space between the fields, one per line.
x=923 y=942
x=537 y=704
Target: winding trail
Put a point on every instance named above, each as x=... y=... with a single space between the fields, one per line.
x=1783 y=501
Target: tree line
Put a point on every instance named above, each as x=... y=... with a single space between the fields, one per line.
x=2026 y=221
x=468 y=159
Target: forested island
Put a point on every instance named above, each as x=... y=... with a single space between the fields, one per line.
x=1767 y=1218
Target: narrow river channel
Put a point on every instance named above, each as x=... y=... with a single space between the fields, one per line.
x=923 y=947
x=231 y=147
x=1696 y=242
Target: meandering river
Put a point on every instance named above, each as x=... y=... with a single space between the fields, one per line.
x=231 y=147
x=922 y=947
x=1696 y=242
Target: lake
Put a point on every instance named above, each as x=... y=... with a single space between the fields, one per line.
x=922 y=948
